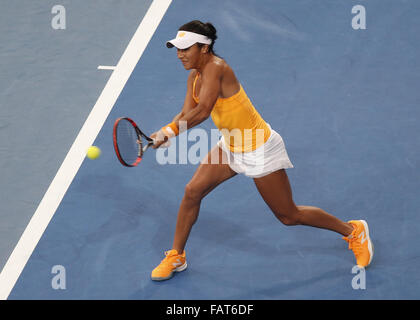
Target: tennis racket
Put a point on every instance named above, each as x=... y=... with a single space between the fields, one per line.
x=130 y=143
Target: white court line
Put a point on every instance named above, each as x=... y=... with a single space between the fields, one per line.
x=106 y=67
x=87 y=135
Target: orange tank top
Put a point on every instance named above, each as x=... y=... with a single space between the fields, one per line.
x=242 y=127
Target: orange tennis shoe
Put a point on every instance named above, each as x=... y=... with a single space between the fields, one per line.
x=359 y=241
x=172 y=263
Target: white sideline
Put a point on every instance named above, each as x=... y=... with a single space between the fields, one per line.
x=74 y=158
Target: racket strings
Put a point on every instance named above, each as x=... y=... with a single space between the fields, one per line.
x=127 y=140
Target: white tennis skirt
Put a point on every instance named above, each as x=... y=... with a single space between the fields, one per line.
x=269 y=157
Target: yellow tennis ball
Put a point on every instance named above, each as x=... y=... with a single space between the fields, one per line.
x=93 y=152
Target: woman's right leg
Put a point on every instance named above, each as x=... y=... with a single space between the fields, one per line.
x=212 y=171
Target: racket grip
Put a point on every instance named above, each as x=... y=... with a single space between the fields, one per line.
x=163 y=145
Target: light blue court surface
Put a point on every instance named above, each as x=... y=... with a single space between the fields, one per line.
x=345 y=101
x=49 y=82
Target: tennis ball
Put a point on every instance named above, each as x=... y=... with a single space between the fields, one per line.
x=93 y=152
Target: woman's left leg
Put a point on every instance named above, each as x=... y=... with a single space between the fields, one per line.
x=277 y=193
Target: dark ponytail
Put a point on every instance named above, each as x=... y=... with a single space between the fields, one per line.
x=206 y=29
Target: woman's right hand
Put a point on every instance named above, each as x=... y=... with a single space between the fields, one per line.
x=159 y=139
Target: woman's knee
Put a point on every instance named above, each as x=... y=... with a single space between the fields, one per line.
x=193 y=192
x=289 y=218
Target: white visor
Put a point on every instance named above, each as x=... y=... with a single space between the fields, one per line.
x=185 y=39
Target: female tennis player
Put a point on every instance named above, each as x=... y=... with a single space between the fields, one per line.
x=254 y=149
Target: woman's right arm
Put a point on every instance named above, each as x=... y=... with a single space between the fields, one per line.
x=189 y=104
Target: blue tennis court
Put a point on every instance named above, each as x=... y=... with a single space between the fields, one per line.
x=345 y=101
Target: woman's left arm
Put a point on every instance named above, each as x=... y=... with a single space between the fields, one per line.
x=209 y=92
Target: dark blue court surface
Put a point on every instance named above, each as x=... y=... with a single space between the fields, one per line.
x=346 y=103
